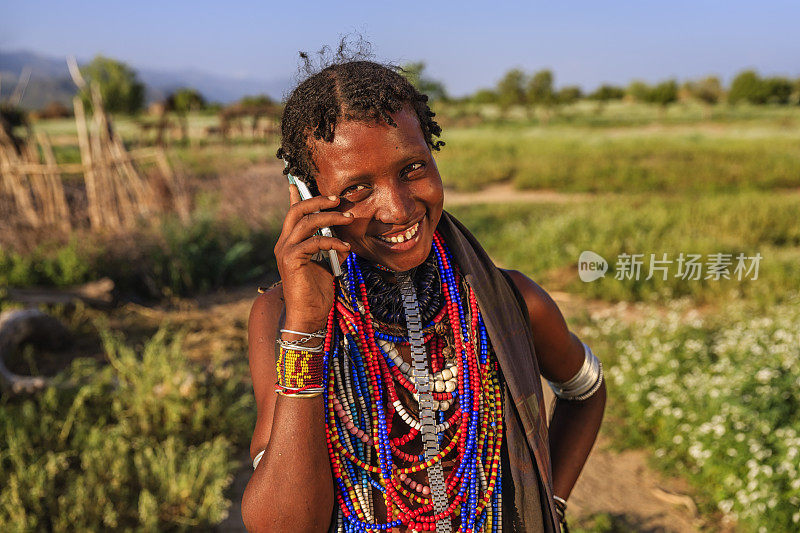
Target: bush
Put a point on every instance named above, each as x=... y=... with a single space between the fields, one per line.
x=778 y=90
x=143 y=443
x=718 y=400
x=605 y=93
x=748 y=87
x=204 y=255
x=70 y=264
x=569 y=94
x=172 y=260
x=663 y=93
x=539 y=89
x=708 y=90
x=638 y=90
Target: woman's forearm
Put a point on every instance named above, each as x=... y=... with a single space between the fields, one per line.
x=292 y=488
x=573 y=431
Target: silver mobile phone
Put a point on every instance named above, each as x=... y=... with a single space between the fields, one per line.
x=305 y=194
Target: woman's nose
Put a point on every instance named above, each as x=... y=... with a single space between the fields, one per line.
x=396 y=204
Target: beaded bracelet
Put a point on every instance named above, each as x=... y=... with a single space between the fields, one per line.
x=299 y=369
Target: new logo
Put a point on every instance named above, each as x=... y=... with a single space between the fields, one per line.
x=591 y=266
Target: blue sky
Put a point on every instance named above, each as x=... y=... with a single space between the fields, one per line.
x=465 y=44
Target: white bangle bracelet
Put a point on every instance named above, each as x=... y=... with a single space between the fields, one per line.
x=584 y=383
x=257 y=458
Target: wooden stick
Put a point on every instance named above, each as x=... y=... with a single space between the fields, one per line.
x=95 y=216
x=56 y=185
x=37 y=168
x=141 y=191
x=41 y=194
x=15 y=180
x=177 y=187
x=112 y=212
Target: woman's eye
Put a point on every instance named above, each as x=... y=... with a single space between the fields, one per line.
x=413 y=167
x=356 y=193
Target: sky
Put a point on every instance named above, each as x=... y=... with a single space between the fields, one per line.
x=466 y=44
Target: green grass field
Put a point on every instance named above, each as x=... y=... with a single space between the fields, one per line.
x=545 y=240
x=636 y=159
x=626 y=147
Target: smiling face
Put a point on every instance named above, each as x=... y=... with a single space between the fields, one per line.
x=388 y=180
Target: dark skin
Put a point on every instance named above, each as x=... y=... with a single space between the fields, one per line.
x=376 y=182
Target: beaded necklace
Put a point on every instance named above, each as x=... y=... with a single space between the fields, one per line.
x=363 y=369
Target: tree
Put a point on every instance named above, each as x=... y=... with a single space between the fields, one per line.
x=708 y=90
x=118 y=84
x=605 y=93
x=639 y=91
x=511 y=89
x=257 y=101
x=11 y=118
x=185 y=100
x=747 y=86
x=415 y=73
x=778 y=90
x=796 y=92
x=663 y=93
x=484 y=96
x=182 y=101
x=540 y=89
x=569 y=94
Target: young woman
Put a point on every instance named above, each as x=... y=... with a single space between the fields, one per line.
x=405 y=394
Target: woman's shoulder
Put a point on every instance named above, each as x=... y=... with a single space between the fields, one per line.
x=559 y=351
x=541 y=307
x=267 y=309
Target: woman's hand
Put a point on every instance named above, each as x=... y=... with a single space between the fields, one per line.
x=307 y=285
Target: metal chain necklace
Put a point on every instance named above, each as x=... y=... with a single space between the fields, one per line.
x=428 y=432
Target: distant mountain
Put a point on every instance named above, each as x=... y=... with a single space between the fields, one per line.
x=50 y=81
x=213 y=87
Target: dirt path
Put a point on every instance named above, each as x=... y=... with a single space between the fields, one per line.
x=622 y=485
x=505 y=193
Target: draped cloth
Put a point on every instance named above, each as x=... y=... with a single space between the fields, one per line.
x=505 y=314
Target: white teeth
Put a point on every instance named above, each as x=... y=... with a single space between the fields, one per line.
x=403 y=237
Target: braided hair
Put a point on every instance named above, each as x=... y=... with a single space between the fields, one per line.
x=346 y=90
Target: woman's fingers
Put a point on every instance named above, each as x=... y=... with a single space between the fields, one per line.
x=294 y=194
x=310 y=223
x=317 y=243
x=302 y=208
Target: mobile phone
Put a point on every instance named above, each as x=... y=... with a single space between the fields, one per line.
x=305 y=194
